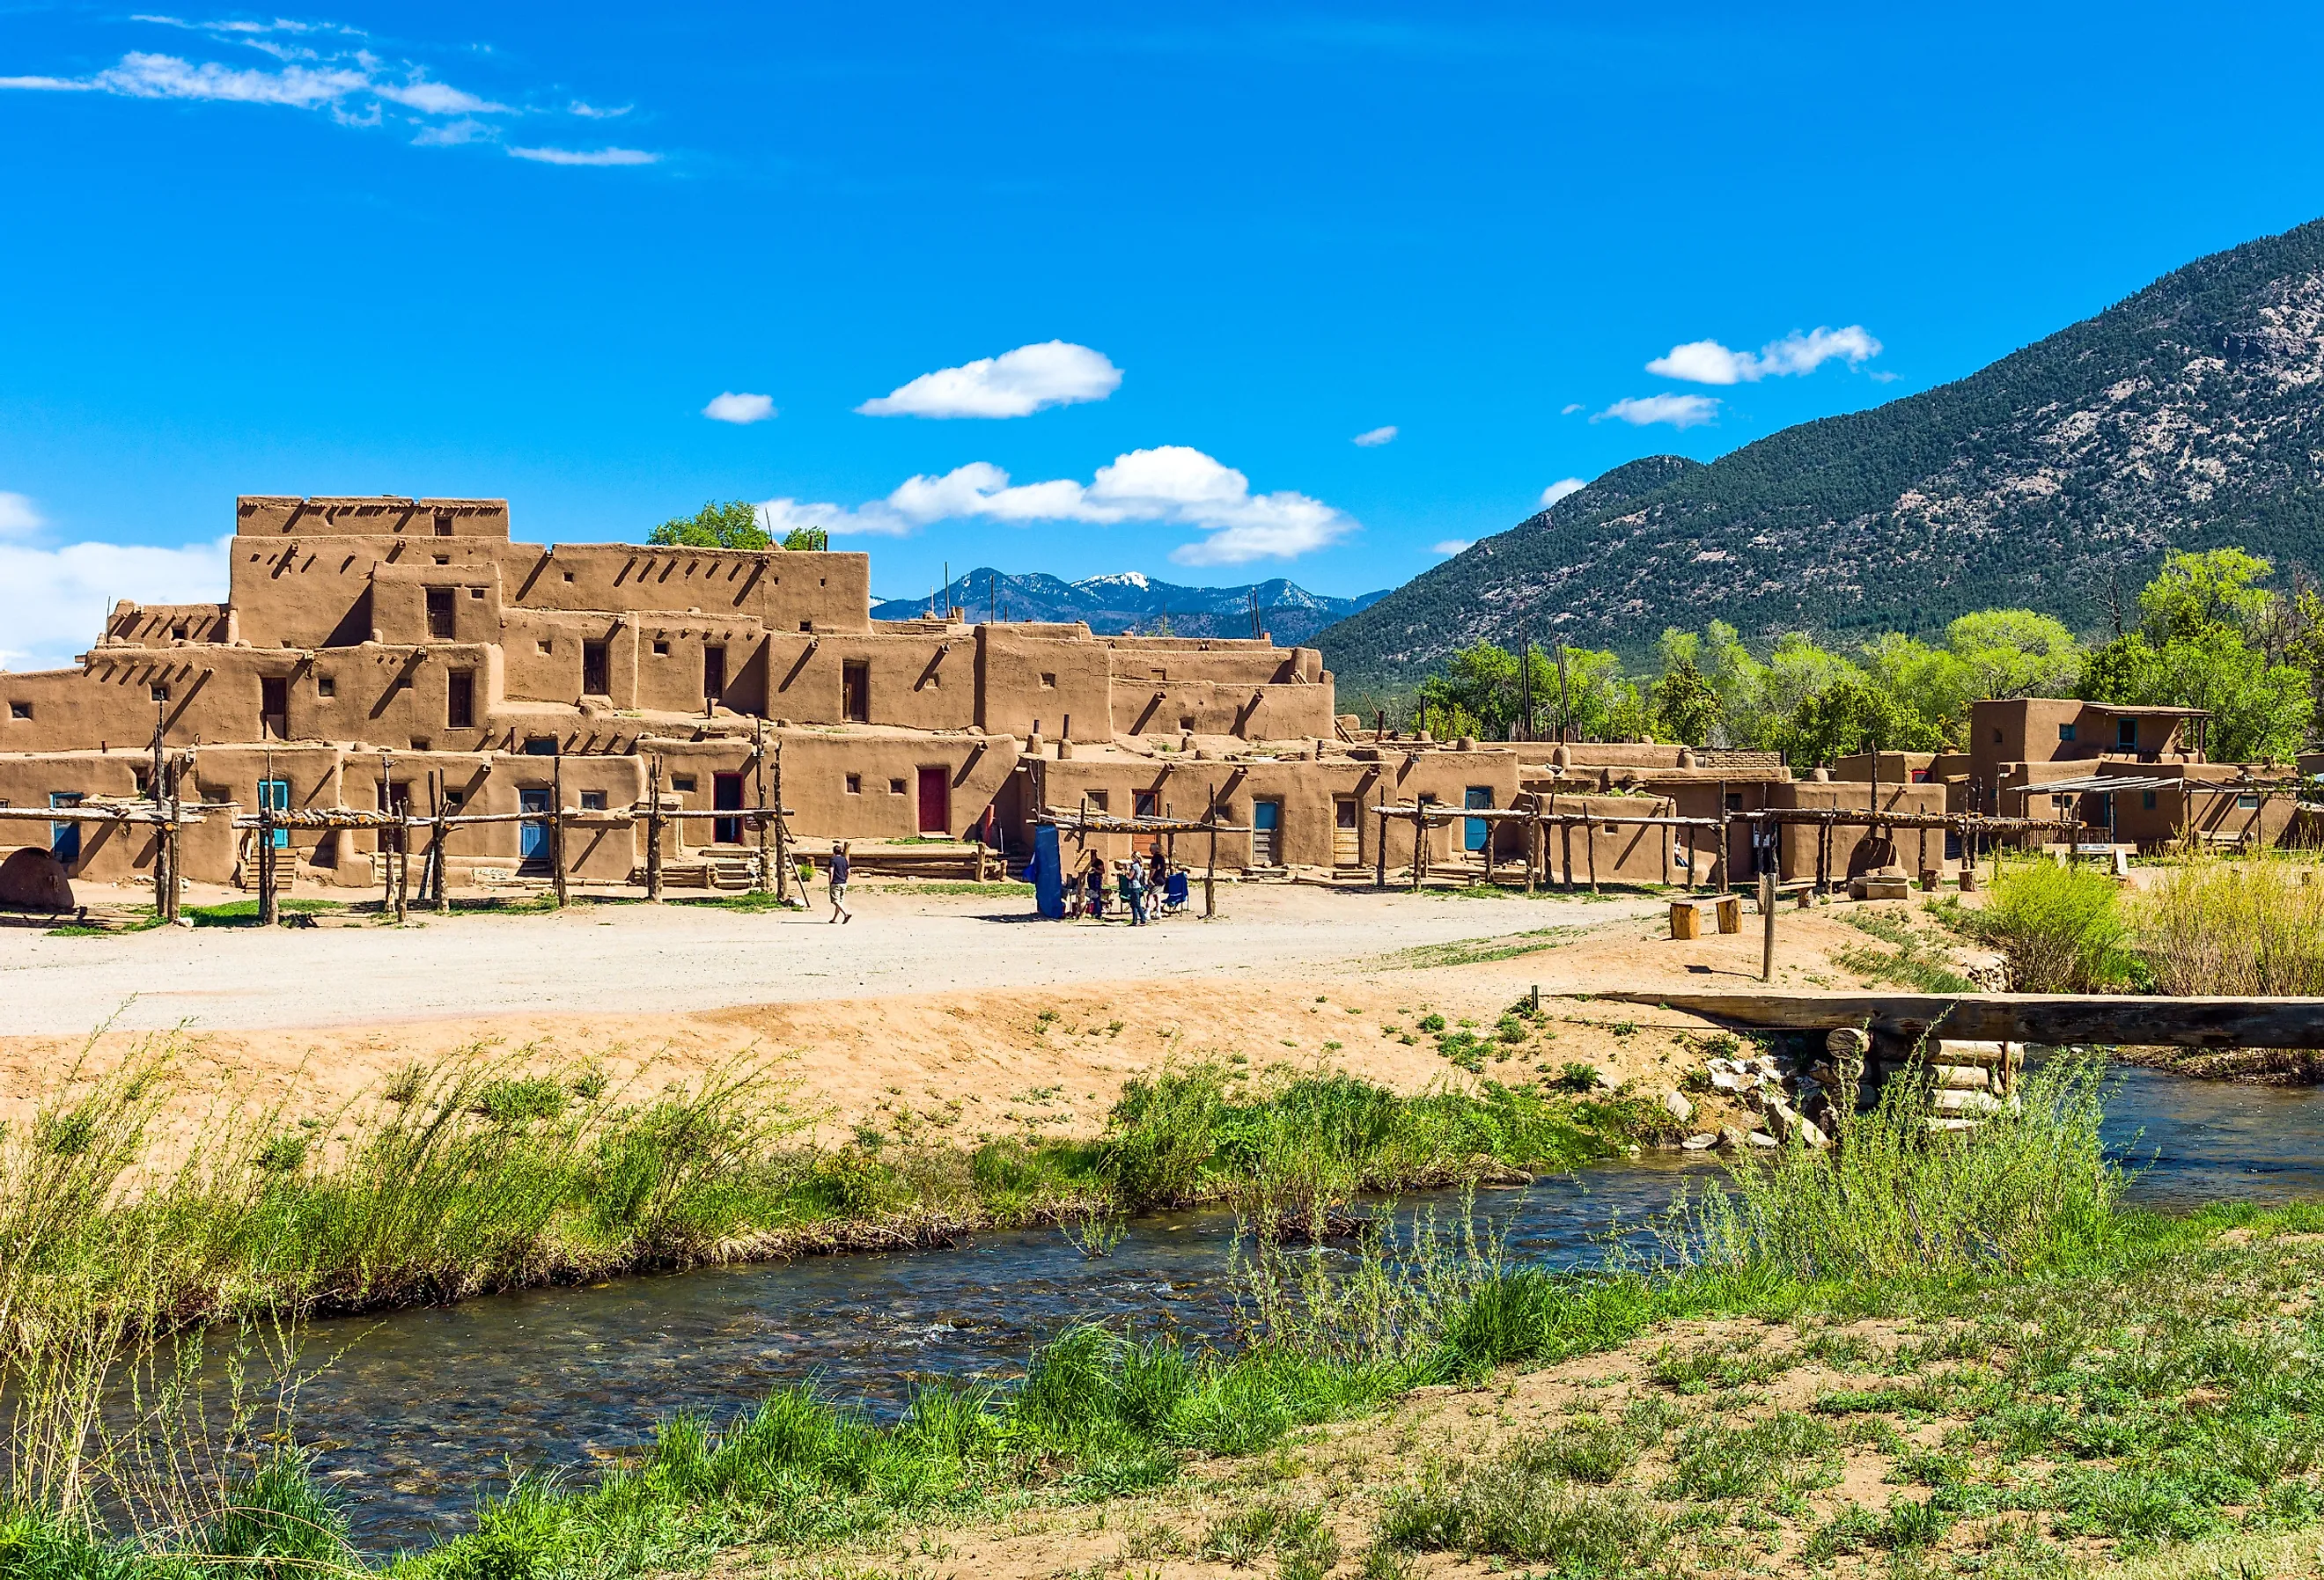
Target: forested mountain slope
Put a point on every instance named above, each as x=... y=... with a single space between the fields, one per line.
x=2188 y=416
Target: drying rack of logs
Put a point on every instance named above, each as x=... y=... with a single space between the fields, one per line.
x=166 y=815
x=1084 y=820
x=1959 y=1081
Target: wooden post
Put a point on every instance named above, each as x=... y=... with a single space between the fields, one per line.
x=1565 y=843
x=403 y=864
x=1419 y=845
x=1767 y=927
x=1589 y=847
x=440 y=845
x=1379 y=853
x=270 y=903
x=653 y=830
x=1211 y=870
x=1662 y=837
x=1489 y=832
x=381 y=842
x=783 y=873
x=1533 y=848
x=765 y=878
x=1719 y=868
x=556 y=824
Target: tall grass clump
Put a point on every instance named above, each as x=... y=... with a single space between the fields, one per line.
x=2061 y=928
x=2250 y=926
x=1894 y=1198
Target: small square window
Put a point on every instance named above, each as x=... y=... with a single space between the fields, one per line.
x=1186 y=723
x=443 y=526
x=20 y=710
x=855 y=784
x=159 y=693
x=682 y=782
x=326 y=685
x=593 y=801
x=475 y=592
x=569 y=576
x=455 y=800
x=419 y=742
x=443 y=560
x=661 y=650
x=2065 y=732
x=1734 y=801
x=2248 y=801
x=807 y=626
x=545 y=645
x=1049 y=682
x=895 y=786
x=2126 y=732
x=540 y=746
x=179 y=631
x=1147 y=804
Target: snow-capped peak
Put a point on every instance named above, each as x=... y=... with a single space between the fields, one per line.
x=1120 y=578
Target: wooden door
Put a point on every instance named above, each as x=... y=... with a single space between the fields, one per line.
x=273 y=708
x=1346 y=834
x=533 y=839
x=936 y=801
x=714 y=674
x=1475 y=831
x=1266 y=827
x=855 y=691
x=596 y=672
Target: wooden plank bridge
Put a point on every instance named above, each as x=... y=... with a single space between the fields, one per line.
x=2049 y=1018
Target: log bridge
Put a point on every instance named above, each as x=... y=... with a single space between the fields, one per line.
x=2049 y=1018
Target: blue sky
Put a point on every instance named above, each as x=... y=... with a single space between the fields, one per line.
x=506 y=251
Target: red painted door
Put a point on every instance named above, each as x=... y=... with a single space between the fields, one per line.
x=936 y=801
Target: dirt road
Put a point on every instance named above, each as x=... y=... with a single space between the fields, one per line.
x=632 y=958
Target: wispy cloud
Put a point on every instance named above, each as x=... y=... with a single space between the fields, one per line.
x=1170 y=485
x=731 y=407
x=1569 y=409
x=1451 y=545
x=589 y=112
x=326 y=66
x=1371 y=439
x=1559 y=489
x=1678 y=410
x=17 y=515
x=1707 y=361
x=1015 y=384
x=587 y=155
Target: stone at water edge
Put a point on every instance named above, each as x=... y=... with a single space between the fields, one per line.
x=1760 y=1138
x=1699 y=1143
x=1680 y=1108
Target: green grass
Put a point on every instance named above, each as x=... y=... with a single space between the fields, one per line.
x=1915 y=960
x=244 y=913
x=1479 y=951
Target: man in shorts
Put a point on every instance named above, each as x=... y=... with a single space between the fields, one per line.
x=839 y=912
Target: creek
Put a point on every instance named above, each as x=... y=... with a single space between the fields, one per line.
x=416 y=1414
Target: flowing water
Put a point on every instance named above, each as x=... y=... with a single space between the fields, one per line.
x=416 y=1414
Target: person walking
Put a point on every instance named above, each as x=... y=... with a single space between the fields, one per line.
x=839 y=912
x=1133 y=890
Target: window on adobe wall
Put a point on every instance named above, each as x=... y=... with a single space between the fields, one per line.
x=1148 y=804
x=443 y=526
x=2126 y=732
x=540 y=746
x=178 y=630
x=1049 y=682
x=682 y=782
x=1186 y=723
x=895 y=786
x=855 y=784
x=1097 y=801
x=2248 y=801
x=2065 y=732
x=20 y=710
x=419 y=742
x=544 y=645
x=460 y=699
x=159 y=693
x=661 y=650
x=569 y=576
x=1734 y=801
x=326 y=685
x=593 y=801
x=443 y=560
x=807 y=625
x=2146 y=800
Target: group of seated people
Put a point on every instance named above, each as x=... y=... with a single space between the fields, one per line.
x=1135 y=882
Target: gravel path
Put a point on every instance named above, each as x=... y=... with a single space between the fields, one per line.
x=634 y=959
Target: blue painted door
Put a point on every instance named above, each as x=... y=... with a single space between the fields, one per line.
x=534 y=846
x=274 y=794
x=64 y=838
x=1474 y=831
x=1266 y=822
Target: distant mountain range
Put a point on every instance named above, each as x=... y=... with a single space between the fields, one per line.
x=2189 y=416
x=1128 y=601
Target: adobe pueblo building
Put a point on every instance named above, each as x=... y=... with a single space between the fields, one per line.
x=381 y=655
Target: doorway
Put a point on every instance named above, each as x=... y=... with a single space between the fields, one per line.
x=726 y=796
x=855 y=691
x=274 y=795
x=714 y=674
x=439 y=613
x=1266 y=828
x=1476 y=831
x=64 y=838
x=936 y=801
x=1347 y=833
x=596 y=673
x=532 y=834
x=274 y=708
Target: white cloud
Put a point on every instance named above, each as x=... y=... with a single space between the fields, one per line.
x=1450 y=546
x=1170 y=485
x=1569 y=409
x=731 y=407
x=1373 y=438
x=17 y=515
x=1678 y=410
x=1707 y=361
x=589 y=112
x=587 y=155
x=58 y=597
x=1015 y=384
x=323 y=67
x=1559 y=489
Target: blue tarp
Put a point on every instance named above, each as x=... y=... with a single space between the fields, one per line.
x=1048 y=876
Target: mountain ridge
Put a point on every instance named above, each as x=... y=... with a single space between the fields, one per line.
x=1120 y=602
x=2189 y=415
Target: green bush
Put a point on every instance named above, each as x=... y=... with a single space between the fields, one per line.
x=2061 y=928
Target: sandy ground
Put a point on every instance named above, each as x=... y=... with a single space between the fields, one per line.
x=941 y=1013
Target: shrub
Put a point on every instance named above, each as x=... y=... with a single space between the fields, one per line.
x=1517 y=1505
x=2061 y=928
x=514 y=1100
x=2251 y=927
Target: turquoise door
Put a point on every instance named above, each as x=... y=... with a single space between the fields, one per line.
x=1475 y=830
x=64 y=838
x=1266 y=825
x=533 y=845
x=274 y=795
